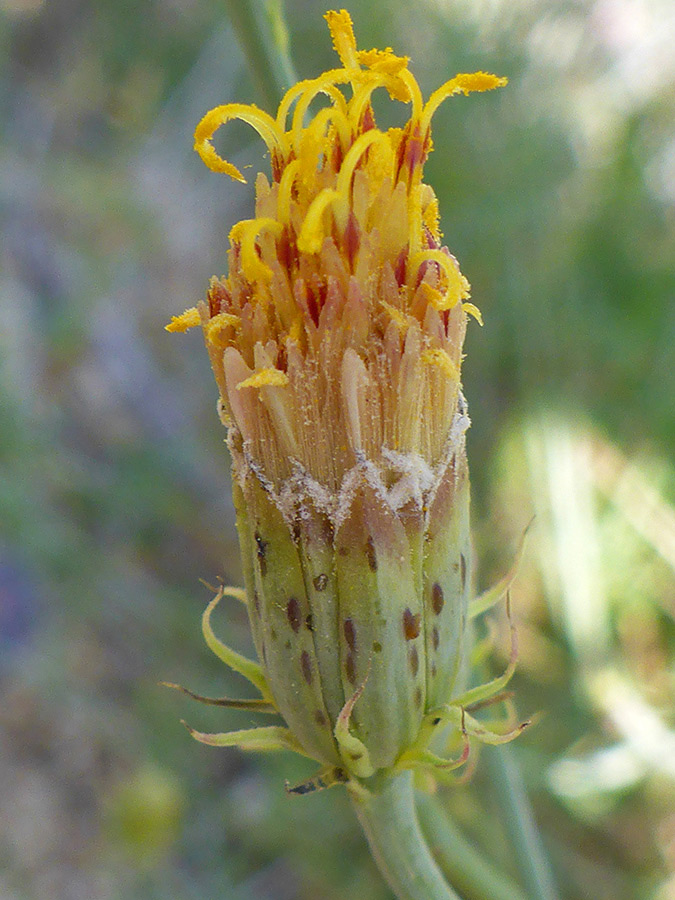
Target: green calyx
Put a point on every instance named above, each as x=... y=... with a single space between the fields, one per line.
x=361 y=624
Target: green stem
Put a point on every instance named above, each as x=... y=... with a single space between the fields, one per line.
x=261 y=30
x=519 y=823
x=389 y=819
x=466 y=868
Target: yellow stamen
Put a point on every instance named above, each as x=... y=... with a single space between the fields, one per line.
x=246 y=232
x=285 y=191
x=265 y=377
x=399 y=319
x=384 y=61
x=473 y=311
x=439 y=357
x=463 y=83
x=457 y=287
x=189 y=319
x=415 y=94
x=263 y=123
x=342 y=32
x=218 y=326
x=431 y=219
x=396 y=87
x=311 y=142
x=431 y=295
x=356 y=151
x=311 y=234
x=314 y=87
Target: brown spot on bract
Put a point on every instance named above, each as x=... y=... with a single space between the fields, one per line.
x=306 y=666
x=263 y=648
x=350 y=668
x=321 y=582
x=261 y=550
x=414 y=660
x=320 y=719
x=350 y=633
x=435 y=638
x=256 y=602
x=437 y=598
x=462 y=566
x=293 y=614
x=309 y=622
x=418 y=697
x=411 y=624
x=433 y=670
x=371 y=555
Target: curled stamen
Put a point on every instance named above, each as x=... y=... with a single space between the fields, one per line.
x=457 y=287
x=315 y=87
x=311 y=235
x=263 y=123
x=246 y=232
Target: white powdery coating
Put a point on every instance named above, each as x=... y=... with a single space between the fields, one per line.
x=414 y=480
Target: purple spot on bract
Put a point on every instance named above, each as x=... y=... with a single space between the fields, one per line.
x=306 y=666
x=437 y=598
x=350 y=668
x=293 y=614
x=350 y=633
x=411 y=624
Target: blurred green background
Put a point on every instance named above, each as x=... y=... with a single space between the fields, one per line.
x=558 y=197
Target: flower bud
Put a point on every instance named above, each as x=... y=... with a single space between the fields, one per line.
x=336 y=343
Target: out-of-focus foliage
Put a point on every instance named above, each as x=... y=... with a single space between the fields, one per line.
x=558 y=197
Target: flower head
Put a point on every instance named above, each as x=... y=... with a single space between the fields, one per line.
x=336 y=342
x=339 y=329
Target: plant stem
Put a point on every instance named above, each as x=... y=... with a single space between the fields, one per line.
x=261 y=30
x=519 y=822
x=466 y=868
x=389 y=819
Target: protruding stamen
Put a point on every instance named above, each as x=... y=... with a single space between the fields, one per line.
x=463 y=83
x=342 y=32
x=188 y=319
